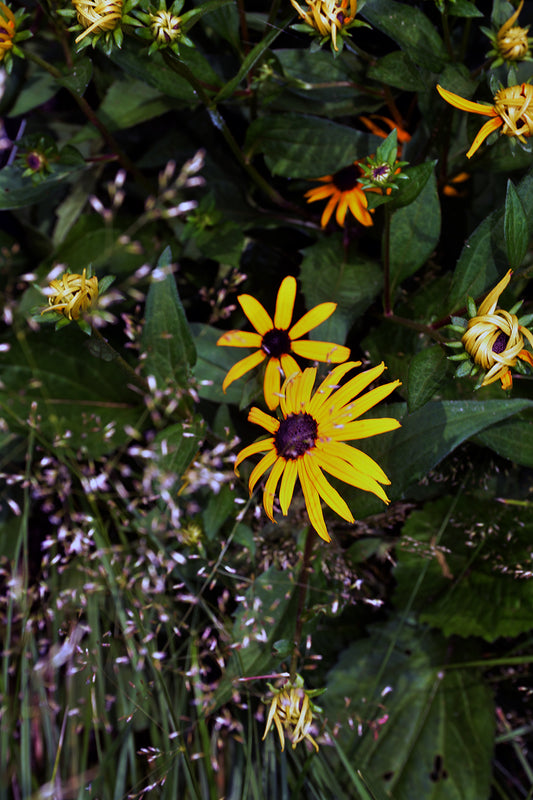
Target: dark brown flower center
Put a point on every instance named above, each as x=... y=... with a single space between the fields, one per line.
x=347 y=179
x=500 y=344
x=276 y=343
x=296 y=435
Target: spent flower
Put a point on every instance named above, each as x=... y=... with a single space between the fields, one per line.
x=329 y=20
x=493 y=340
x=277 y=339
x=72 y=296
x=310 y=439
x=291 y=711
x=512 y=111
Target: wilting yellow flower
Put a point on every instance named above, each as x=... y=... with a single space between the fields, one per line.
x=344 y=191
x=277 y=339
x=7 y=30
x=494 y=338
x=512 y=112
x=291 y=712
x=72 y=294
x=327 y=17
x=312 y=436
x=97 y=16
x=510 y=43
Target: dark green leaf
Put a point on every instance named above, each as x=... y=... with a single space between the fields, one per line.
x=328 y=276
x=515 y=228
x=176 y=446
x=218 y=508
x=414 y=233
x=130 y=102
x=17 y=192
x=78 y=78
x=409 y=190
x=301 y=146
x=166 y=338
x=463 y=8
x=214 y=363
x=397 y=69
x=410 y=29
x=512 y=439
x=426 y=373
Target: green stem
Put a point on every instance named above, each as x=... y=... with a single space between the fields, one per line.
x=108 y=353
x=305 y=571
x=385 y=247
x=416 y=326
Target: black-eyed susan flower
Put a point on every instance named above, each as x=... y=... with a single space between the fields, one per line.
x=328 y=19
x=311 y=437
x=494 y=339
x=511 y=42
x=165 y=27
x=277 y=339
x=72 y=295
x=102 y=20
x=512 y=112
x=345 y=192
x=291 y=711
x=7 y=30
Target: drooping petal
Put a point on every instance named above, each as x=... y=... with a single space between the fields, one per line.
x=325 y=489
x=328 y=352
x=286 y=489
x=258 y=417
x=353 y=458
x=272 y=383
x=354 y=477
x=242 y=367
x=240 y=339
x=466 y=105
x=321 y=192
x=271 y=486
x=285 y=303
x=486 y=130
x=316 y=316
x=256 y=313
x=263 y=466
x=358 y=204
x=312 y=501
x=257 y=447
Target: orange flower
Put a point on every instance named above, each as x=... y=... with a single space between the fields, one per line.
x=7 y=30
x=344 y=191
x=512 y=112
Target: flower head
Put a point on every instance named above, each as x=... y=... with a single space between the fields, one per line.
x=165 y=27
x=311 y=438
x=345 y=192
x=512 y=112
x=7 y=30
x=510 y=43
x=72 y=295
x=328 y=18
x=494 y=339
x=277 y=339
x=291 y=711
x=97 y=16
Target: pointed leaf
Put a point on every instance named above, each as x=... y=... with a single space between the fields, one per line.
x=515 y=228
x=426 y=372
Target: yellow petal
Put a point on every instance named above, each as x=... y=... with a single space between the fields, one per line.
x=466 y=105
x=263 y=466
x=256 y=313
x=272 y=383
x=354 y=458
x=288 y=481
x=312 y=319
x=356 y=385
x=289 y=366
x=312 y=501
x=326 y=490
x=360 y=429
x=242 y=367
x=330 y=384
x=258 y=417
x=240 y=339
x=269 y=492
x=321 y=192
x=252 y=450
x=486 y=130
x=358 y=203
x=350 y=475
x=342 y=208
x=321 y=351
x=370 y=399
x=491 y=300
x=285 y=303
x=329 y=209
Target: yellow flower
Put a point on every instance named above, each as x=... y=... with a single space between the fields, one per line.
x=312 y=436
x=165 y=27
x=327 y=17
x=344 y=191
x=7 y=30
x=72 y=295
x=291 y=711
x=512 y=112
x=97 y=16
x=494 y=338
x=512 y=43
x=277 y=339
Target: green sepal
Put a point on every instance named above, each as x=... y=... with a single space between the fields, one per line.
x=463 y=369
x=471 y=306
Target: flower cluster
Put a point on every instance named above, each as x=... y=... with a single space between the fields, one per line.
x=310 y=436
x=493 y=340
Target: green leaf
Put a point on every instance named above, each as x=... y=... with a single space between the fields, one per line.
x=463 y=8
x=78 y=78
x=76 y=401
x=176 y=446
x=129 y=102
x=410 y=29
x=414 y=233
x=218 y=508
x=512 y=439
x=328 y=275
x=17 y=192
x=302 y=146
x=423 y=732
x=166 y=338
x=473 y=587
x=213 y=364
x=397 y=69
x=427 y=370
x=515 y=228
x=409 y=190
